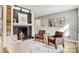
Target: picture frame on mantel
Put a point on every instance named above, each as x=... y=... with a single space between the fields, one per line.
x=22 y=18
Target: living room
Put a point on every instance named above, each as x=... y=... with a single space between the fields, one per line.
x=26 y=22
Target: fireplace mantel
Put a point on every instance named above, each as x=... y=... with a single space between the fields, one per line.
x=23 y=24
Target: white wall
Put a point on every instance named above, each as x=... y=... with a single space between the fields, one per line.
x=78 y=28
x=4 y=26
x=70 y=18
x=1 y=26
x=78 y=23
x=0 y=20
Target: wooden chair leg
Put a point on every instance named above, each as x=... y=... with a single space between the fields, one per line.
x=35 y=39
x=48 y=42
x=43 y=40
x=55 y=46
x=63 y=45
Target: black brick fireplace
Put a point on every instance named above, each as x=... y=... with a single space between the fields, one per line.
x=25 y=30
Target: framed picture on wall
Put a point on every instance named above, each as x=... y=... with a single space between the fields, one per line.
x=55 y=22
x=50 y=22
x=61 y=21
x=22 y=18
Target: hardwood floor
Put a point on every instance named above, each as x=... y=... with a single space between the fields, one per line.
x=70 y=47
x=3 y=50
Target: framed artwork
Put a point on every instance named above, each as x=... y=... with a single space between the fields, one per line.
x=53 y=22
x=50 y=22
x=56 y=22
x=61 y=21
x=22 y=18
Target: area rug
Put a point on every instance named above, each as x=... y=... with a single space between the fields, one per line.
x=31 y=46
x=36 y=48
x=39 y=47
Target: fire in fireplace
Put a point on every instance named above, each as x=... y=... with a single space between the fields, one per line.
x=23 y=32
x=21 y=35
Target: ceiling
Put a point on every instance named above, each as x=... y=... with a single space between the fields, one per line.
x=41 y=10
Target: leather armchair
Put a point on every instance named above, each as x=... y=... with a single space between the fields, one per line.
x=40 y=35
x=56 y=39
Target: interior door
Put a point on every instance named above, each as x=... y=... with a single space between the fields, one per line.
x=37 y=25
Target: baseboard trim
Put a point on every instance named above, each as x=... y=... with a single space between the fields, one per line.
x=72 y=41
